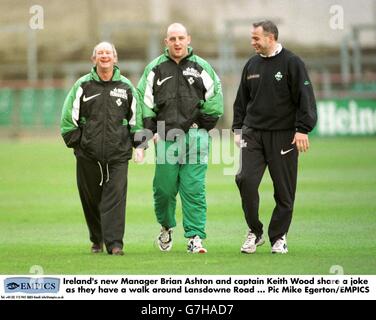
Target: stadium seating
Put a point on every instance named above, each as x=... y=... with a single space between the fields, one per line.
x=6 y=104
x=31 y=107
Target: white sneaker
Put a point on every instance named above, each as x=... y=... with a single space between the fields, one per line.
x=195 y=245
x=165 y=239
x=280 y=246
x=251 y=243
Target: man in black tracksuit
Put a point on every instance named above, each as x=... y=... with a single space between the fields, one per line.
x=100 y=115
x=274 y=111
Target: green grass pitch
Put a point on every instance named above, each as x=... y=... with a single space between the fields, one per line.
x=334 y=223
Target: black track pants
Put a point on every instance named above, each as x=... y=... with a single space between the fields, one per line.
x=272 y=149
x=104 y=206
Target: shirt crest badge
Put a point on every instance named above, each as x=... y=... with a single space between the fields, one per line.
x=278 y=76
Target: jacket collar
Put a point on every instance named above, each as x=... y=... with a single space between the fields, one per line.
x=190 y=53
x=115 y=76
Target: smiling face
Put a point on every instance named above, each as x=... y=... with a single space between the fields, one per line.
x=263 y=42
x=104 y=57
x=177 y=41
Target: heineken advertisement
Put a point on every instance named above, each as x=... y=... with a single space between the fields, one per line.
x=346 y=117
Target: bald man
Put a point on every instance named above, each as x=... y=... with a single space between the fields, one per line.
x=182 y=100
x=100 y=115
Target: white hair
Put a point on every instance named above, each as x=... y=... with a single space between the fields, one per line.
x=102 y=43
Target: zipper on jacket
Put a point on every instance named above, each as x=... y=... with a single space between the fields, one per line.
x=104 y=122
x=179 y=71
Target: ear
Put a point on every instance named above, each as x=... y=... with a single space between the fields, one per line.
x=93 y=60
x=115 y=59
x=166 y=41
x=189 y=39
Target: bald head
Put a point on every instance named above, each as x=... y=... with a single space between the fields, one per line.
x=177 y=41
x=176 y=27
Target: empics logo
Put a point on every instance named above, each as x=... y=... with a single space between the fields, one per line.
x=31 y=285
x=12 y=286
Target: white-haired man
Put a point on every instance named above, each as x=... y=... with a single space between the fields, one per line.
x=100 y=115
